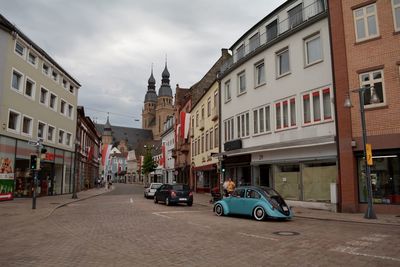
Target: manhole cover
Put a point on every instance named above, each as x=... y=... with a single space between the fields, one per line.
x=286 y=233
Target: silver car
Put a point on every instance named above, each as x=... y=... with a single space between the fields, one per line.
x=151 y=189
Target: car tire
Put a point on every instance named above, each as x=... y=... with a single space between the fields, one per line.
x=219 y=210
x=259 y=213
x=190 y=203
x=155 y=199
x=167 y=201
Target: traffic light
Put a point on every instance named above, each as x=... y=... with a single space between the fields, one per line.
x=222 y=167
x=33 y=162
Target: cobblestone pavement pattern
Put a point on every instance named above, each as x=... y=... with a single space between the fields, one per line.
x=122 y=228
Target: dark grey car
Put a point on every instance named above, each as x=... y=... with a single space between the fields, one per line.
x=173 y=194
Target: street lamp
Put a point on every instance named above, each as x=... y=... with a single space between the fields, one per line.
x=369 y=214
x=74 y=195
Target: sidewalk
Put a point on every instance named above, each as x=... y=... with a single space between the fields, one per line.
x=300 y=212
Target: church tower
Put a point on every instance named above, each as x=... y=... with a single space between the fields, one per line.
x=150 y=102
x=165 y=106
x=106 y=137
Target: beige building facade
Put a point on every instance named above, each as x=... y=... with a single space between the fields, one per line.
x=38 y=101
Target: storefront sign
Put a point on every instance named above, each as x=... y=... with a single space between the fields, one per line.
x=49 y=157
x=6 y=179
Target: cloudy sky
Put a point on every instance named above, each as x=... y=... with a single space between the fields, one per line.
x=109 y=46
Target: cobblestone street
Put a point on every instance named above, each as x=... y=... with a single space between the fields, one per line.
x=122 y=228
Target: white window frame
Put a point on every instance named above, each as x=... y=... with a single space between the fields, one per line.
x=63 y=136
x=32 y=97
x=71 y=87
x=394 y=7
x=252 y=40
x=55 y=102
x=306 y=42
x=44 y=130
x=256 y=74
x=21 y=81
x=266 y=120
x=241 y=75
x=281 y=103
x=57 y=75
x=36 y=63
x=278 y=62
x=65 y=83
x=66 y=139
x=216 y=136
x=48 y=69
x=372 y=81
x=227 y=91
x=70 y=108
x=65 y=107
x=243 y=124
x=23 y=56
x=47 y=96
x=54 y=133
x=229 y=129
x=17 y=124
x=309 y=95
x=30 y=126
x=365 y=22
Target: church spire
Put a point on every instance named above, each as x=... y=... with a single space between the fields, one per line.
x=151 y=95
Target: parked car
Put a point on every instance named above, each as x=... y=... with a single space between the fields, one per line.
x=151 y=189
x=258 y=202
x=173 y=194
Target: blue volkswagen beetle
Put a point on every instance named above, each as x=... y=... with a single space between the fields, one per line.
x=259 y=202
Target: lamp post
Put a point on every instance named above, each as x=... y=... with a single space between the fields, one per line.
x=369 y=214
x=74 y=195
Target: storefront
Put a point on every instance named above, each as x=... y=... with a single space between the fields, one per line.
x=54 y=176
x=206 y=178
x=239 y=169
x=385 y=177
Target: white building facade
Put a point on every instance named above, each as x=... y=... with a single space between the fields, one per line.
x=168 y=144
x=277 y=107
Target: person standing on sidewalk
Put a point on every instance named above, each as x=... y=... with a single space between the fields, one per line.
x=231 y=186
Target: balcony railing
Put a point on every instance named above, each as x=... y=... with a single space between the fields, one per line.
x=214 y=113
x=273 y=31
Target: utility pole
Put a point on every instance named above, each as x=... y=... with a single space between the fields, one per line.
x=35 y=167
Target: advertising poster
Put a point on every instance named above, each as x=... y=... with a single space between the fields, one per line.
x=6 y=179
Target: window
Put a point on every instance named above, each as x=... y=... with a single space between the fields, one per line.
x=285 y=113
x=261 y=120
x=202 y=112
x=211 y=139
x=19 y=49
x=272 y=30
x=62 y=108
x=216 y=100
x=32 y=58
x=283 y=62
x=254 y=42
x=70 y=111
x=65 y=83
x=14 y=121
x=71 y=89
x=17 y=80
x=260 y=73
x=54 y=75
x=43 y=95
x=396 y=14
x=206 y=143
x=216 y=137
x=373 y=80
x=313 y=49
x=295 y=16
x=197 y=118
x=41 y=130
x=229 y=129
x=68 y=139
x=45 y=69
x=50 y=133
x=241 y=83
x=53 y=101
x=227 y=91
x=202 y=143
x=365 y=22
x=209 y=107
x=240 y=52
x=317 y=106
x=243 y=126
x=27 y=125
x=30 y=87
x=61 y=136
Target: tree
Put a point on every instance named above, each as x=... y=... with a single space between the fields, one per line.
x=148 y=163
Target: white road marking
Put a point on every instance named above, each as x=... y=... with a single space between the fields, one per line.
x=161 y=213
x=359 y=243
x=353 y=251
x=199 y=225
x=258 y=236
x=369 y=238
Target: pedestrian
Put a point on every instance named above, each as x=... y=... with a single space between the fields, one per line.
x=98 y=182
x=231 y=186
x=225 y=187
